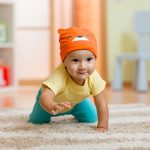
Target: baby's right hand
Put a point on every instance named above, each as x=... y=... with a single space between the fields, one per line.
x=58 y=107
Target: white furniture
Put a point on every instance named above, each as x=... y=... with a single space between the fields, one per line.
x=7 y=49
x=141 y=22
x=33 y=40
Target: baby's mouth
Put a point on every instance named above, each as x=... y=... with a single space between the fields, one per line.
x=82 y=72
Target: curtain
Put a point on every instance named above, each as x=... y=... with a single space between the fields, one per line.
x=91 y=14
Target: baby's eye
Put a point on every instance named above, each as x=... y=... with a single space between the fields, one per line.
x=75 y=60
x=89 y=59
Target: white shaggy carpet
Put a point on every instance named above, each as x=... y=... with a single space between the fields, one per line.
x=129 y=128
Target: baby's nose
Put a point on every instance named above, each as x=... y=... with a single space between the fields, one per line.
x=82 y=65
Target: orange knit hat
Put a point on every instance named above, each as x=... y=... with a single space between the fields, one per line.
x=76 y=38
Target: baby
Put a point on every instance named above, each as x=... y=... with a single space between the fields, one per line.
x=68 y=88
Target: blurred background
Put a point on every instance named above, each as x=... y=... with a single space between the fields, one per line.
x=29 y=46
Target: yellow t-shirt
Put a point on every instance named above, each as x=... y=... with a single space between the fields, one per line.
x=65 y=89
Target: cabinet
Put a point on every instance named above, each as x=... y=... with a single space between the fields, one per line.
x=7 y=43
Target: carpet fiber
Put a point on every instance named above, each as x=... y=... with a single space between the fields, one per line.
x=129 y=128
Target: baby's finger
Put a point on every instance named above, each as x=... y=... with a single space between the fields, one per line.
x=68 y=105
x=58 y=108
x=53 y=112
x=64 y=105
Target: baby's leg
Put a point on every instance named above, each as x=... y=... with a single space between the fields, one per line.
x=85 y=111
x=38 y=114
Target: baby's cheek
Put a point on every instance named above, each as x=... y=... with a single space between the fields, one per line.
x=74 y=67
x=91 y=69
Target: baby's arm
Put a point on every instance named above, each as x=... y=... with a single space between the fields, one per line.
x=102 y=111
x=46 y=101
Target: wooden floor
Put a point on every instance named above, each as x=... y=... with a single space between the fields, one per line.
x=24 y=97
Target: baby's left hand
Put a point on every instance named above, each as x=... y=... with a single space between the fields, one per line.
x=101 y=129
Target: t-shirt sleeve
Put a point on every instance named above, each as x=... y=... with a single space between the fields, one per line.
x=97 y=83
x=56 y=82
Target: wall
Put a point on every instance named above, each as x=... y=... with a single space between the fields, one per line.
x=120 y=32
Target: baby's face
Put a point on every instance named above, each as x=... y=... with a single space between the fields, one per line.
x=80 y=64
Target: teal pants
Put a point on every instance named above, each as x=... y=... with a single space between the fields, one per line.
x=83 y=112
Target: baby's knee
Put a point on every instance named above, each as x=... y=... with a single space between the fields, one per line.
x=38 y=120
x=91 y=118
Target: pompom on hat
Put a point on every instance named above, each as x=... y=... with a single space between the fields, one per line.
x=76 y=38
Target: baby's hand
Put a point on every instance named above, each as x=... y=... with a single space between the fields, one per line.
x=58 y=107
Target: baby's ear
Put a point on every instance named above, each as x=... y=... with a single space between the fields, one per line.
x=61 y=31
